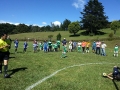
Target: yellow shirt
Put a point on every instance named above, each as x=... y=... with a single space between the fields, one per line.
x=2 y=44
x=88 y=44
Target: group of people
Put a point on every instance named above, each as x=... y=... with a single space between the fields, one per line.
x=98 y=47
x=46 y=46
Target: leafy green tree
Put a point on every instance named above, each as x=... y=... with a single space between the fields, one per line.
x=6 y=27
x=74 y=27
x=22 y=28
x=47 y=28
x=65 y=24
x=59 y=36
x=115 y=25
x=93 y=16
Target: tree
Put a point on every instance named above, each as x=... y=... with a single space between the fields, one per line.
x=58 y=36
x=65 y=24
x=93 y=16
x=21 y=28
x=74 y=27
x=115 y=25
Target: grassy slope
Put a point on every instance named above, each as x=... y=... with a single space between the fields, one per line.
x=64 y=34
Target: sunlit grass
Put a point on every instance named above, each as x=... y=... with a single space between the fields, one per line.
x=28 y=68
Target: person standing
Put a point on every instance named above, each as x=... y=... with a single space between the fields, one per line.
x=94 y=47
x=87 y=46
x=25 y=46
x=79 y=47
x=98 y=44
x=16 y=42
x=83 y=44
x=116 y=51
x=64 y=42
x=4 y=54
x=9 y=41
x=103 y=46
x=58 y=44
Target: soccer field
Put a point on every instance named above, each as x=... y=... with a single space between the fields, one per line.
x=48 y=71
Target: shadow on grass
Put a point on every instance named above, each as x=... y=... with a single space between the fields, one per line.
x=13 y=71
x=115 y=85
x=11 y=57
x=86 y=33
x=76 y=35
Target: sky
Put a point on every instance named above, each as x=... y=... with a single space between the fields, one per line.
x=44 y=12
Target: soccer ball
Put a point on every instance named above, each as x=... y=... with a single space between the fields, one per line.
x=104 y=74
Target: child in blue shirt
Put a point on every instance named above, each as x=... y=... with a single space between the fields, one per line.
x=25 y=46
x=16 y=42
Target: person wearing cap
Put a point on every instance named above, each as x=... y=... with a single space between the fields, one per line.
x=4 y=54
x=64 y=42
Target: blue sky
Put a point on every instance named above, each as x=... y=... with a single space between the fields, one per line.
x=43 y=12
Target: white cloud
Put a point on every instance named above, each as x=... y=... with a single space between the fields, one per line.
x=79 y=4
x=44 y=23
x=56 y=23
x=2 y=21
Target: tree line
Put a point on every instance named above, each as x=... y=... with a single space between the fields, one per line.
x=93 y=19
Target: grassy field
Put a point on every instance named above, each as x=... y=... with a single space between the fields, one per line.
x=104 y=33
x=48 y=71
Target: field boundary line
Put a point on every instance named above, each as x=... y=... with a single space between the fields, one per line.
x=54 y=73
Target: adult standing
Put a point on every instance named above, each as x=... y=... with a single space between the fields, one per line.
x=9 y=41
x=103 y=46
x=64 y=42
x=4 y=54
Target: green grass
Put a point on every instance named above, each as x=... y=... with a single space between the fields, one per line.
x=28 y=68
x=64 y=34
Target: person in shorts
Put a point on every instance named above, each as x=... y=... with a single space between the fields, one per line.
x=4 y=54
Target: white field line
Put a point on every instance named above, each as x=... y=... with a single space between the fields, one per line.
x=51 y=75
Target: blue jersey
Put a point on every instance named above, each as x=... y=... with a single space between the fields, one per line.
x=94 y=44
x=45 y=44
x=25 y=44
x=16 y=42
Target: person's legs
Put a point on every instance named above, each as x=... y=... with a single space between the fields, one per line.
x=104 y=53
x=0 y=66
x=96 y=50
x=110 y=76
x=6 y=58
x=99 y=50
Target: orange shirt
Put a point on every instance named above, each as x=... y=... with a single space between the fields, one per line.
x=83 y=44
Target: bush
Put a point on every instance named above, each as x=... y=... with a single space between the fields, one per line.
x=110 y=36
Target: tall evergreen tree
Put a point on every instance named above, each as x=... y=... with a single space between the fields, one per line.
x=93 y=16
x=65 y=24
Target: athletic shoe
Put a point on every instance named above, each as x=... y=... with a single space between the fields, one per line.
x=0 y=71
x=6 y=76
